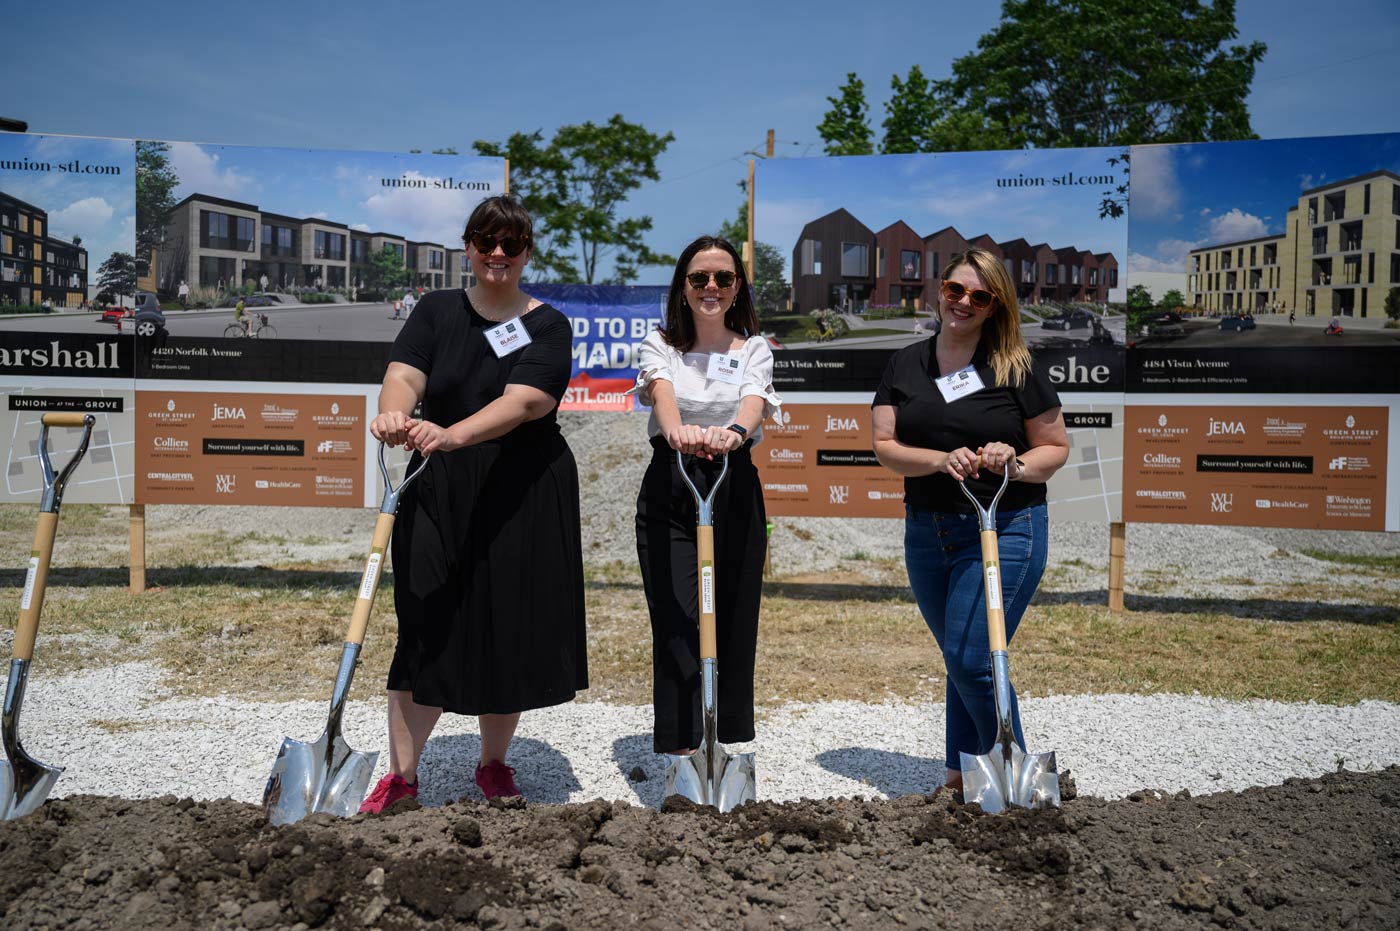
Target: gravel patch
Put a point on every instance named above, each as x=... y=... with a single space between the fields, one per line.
x=118 y=732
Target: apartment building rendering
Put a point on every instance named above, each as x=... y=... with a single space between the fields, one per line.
x=35 y=266
x=840 y=263
x=213 y=242
x=1339 y=255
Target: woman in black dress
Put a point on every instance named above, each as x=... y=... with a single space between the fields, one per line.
x=488 y=563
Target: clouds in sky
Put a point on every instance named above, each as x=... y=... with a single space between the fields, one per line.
x=200 y=171
x=1155 y=188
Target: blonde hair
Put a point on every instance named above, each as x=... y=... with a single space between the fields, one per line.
x=1006 y=350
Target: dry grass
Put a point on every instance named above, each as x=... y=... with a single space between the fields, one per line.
x=274 y=631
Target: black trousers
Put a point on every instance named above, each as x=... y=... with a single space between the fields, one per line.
x=666 y=515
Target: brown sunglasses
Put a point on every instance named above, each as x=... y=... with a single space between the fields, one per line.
x=486 y=243
x=954 y=292
x=724 y=279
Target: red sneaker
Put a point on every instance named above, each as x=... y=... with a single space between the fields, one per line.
x=386 y=792
x=496 y=779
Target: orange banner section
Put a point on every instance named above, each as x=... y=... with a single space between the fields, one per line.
x=267 y=449
x=1304 y=467
x=816 y=461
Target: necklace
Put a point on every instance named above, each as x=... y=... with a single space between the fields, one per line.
x=510 y=311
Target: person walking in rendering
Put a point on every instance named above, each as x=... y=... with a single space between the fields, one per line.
x=409 y=302
x=708 y=377
x=488 y=560
x=184 y=294
x=966 y=405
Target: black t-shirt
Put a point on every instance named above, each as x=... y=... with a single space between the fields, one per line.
x=445 y=338
x=993 y=414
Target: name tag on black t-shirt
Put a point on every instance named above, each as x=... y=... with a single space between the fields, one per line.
x=508 y=337
x=959 y=384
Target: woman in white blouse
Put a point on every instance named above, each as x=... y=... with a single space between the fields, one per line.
x=708 y=377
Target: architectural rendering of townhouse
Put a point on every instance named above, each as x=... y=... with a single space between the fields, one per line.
x=840 y=263
x=212 y=242
x=36 y=266
x=1339 y=255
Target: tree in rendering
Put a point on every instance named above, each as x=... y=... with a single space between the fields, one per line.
x=1172 y=300
x=1392 y=305
x=156 y=182
x=118 y=274
x=385 y=271
x=1067 y=73
x=575 y=187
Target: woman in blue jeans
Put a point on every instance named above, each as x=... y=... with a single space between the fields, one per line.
x=967 y=405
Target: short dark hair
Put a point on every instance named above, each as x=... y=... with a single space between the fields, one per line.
x=679 y=329
x=502 y=213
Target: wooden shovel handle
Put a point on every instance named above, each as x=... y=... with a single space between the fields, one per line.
x=369 y=580
x=65 y=419
x=705 y=566
x=36 y=578
x=991 y=575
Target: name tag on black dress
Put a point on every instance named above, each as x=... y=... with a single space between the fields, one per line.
x=959 y=384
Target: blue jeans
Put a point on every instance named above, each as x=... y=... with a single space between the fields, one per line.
x=944 y=556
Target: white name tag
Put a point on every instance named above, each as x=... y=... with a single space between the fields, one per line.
x=508 y=337
x=959 y=384
x=726 y=368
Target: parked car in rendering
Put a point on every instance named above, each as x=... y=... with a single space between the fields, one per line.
x=150 y=319
x=114 y=313
x=1237 y=323
x=1069 y=320
x=1167 y=324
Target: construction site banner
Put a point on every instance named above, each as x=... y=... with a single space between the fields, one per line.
x=1263 y=362
x=863 y=242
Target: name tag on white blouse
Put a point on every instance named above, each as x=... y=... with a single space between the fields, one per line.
x=959 y=384
x=726 y=367
x=508 y=337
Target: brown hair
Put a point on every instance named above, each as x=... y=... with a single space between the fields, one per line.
x=679 y=329
x=1006 y=350
x=502 y=213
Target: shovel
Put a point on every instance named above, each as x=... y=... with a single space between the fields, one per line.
x=327 y=776
x=1006 y=775
x=711 y=775
x=24 y=781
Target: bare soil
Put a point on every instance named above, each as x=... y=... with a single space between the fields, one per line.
x=1307 y=854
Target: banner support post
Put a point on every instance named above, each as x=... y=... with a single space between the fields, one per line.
x=1117 y=539
x=136 y=528
x=749 y=252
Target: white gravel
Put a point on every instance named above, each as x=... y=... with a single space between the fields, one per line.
x=118 y=733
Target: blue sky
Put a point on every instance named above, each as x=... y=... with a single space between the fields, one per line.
x=1187 y=196
x=100 y=208
x=383 y=77
x=959 y=189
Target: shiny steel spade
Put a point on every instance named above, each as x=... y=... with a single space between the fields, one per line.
x=327 y=776
x=711 y=775
x=24 y=781
x=1005 y=775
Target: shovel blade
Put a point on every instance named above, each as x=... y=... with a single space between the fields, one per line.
x=1007 y=777
x=24 y=784
x=727 y=785
x=326 y=776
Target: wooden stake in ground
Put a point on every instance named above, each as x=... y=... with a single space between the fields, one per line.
x=1117 y=539
x=137 y=535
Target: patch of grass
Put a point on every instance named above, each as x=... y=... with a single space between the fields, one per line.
x=1386 y=563
x=274 y=632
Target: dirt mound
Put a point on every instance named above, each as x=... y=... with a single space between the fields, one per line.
x=1306 y=854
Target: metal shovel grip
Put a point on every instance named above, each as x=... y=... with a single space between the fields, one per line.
x=991 y=563
x=379 y=545
x=705 y=554
x=36 y=575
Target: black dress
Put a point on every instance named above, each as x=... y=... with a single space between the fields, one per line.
x=488 y=562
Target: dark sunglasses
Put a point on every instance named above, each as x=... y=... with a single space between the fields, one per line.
x=486 y=243
x=723 y=280
x=954 y=292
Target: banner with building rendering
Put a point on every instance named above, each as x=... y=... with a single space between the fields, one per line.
x=863 y=242
x=1263 y=362
x=67 y=208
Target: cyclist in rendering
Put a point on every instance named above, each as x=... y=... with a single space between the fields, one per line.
x=240 y=317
